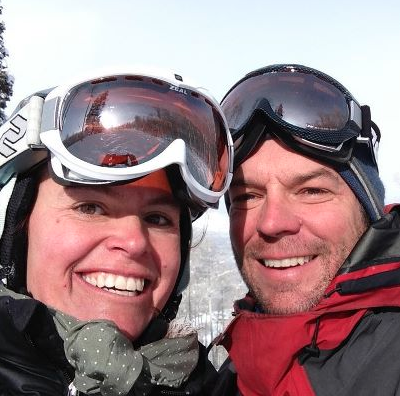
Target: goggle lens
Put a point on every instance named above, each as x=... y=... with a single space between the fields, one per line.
x=301 y=100
x=124 y=121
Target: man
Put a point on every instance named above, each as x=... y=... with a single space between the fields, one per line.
x=311 y=240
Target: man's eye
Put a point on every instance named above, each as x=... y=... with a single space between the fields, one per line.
x=90 y=209
x=314 y=191
x=158 y=219
x=243 y=197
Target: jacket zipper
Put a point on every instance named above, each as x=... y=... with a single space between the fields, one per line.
x=72 y=391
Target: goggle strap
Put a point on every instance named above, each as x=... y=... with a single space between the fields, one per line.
x=363 y=180
x=248 y=145
x=34 y=121
x=369 y=129
x=50 y=110
x=5 y=195
x=356 y=113
x=376 y=137
x=376 y=134
x=366 y=121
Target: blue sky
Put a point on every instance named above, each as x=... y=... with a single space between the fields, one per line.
x=215 y=43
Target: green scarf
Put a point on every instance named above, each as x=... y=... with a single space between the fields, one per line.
x=105 y=360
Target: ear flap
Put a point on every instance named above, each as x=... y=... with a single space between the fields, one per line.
x=14 y=241
x=171 y=307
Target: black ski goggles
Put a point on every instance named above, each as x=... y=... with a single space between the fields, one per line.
x=305 y=108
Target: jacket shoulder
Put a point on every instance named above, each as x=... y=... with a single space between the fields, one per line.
x=363 y=362
x=24 y=335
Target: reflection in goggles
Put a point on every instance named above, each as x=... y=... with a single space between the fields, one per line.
x=302 y=100
x=115 y=159
x=123 y=122
x=306 y=109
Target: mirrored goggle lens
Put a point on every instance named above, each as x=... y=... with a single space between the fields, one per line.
x=124 y=121
x=300 y=99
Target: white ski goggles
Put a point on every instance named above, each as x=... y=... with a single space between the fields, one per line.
x=117 y=128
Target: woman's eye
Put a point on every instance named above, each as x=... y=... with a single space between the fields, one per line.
x=90 y=209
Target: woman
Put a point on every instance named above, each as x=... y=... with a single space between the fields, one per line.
x=102 y=180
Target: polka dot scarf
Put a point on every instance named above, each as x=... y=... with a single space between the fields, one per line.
x=105 y=360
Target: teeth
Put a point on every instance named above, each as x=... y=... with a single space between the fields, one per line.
x=100 y=281
x=122 y=292
x=287 y=262
x=109 y=281
x=115 y=283
x=131 y=284
x=120 y=283
x=139 y=284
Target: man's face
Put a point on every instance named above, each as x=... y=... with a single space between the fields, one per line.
x=293 y=222
x=105 y=252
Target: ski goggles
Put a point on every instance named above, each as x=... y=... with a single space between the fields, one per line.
x=117 y=128
x=307 y=109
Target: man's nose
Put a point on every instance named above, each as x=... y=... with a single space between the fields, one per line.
x=278 y=217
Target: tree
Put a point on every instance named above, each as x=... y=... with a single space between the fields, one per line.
x=6 y=81
x=215 y=283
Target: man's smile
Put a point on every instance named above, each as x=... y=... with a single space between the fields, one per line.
x=287 y=262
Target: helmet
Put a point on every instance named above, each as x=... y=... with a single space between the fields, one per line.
x=112 y=129
x=313 y=114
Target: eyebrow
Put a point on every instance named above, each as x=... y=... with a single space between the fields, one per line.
x=319 y=173
x=295 y=180
x=162 y=198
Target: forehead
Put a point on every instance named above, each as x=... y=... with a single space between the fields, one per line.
x=154 y=188
x=273 y=159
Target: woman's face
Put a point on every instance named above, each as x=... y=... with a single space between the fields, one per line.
x=109 y=252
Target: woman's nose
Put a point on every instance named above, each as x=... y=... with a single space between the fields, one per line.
x=128 y=235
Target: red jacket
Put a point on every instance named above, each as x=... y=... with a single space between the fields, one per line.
x=330 y=349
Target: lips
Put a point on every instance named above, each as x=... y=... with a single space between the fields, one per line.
x=118 y=284
x=287 y=262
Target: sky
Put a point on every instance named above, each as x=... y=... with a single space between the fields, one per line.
x=215 y=43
